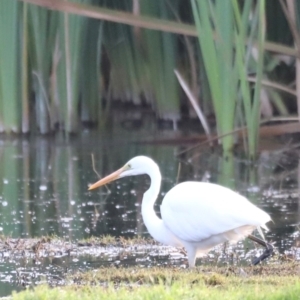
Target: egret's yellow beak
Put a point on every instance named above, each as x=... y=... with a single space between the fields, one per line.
x=113 y=176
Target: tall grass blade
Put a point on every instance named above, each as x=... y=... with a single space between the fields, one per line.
x=9 y=79
x=71 y=30
x=218 y=61
x=253 y=128
x=251 y=105
x=25 y=73
x=161 y=52
x=91 y=77
x=43 y=32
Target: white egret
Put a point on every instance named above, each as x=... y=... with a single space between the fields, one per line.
x=195 y=215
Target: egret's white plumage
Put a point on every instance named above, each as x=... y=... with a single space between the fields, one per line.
x=195 y=215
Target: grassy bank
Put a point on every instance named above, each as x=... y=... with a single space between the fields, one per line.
x=278 y=281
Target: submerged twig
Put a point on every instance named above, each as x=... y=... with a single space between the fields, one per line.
x=93 y=164
x=94 y=169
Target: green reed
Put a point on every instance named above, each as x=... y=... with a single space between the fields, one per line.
x=60 y=57
x=223 y=29
x=251 y=104
x=9 y=76
x=43 y=30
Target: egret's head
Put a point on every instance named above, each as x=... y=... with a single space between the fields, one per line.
x=136 y=166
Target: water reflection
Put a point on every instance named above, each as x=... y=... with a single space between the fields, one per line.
x=43 y=190
x=44 y=185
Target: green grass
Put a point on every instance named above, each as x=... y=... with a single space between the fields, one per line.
x=262 y=282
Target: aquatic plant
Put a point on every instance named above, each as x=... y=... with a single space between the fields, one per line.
x=9 y=79
x=70 y=63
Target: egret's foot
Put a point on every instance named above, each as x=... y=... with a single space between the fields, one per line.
x=268 y=252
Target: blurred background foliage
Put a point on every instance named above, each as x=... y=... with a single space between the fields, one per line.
x=238 y=60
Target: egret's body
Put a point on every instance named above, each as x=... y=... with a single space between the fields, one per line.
x=195 y=215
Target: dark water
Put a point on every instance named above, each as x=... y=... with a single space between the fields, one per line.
x=43 y=191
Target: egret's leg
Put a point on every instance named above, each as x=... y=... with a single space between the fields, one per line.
x=268 y=252
x=191 y=254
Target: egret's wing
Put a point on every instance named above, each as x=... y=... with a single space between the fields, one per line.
x=194 y=211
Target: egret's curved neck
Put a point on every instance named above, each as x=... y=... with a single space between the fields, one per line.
x=151 y=220
x=154 y=224
x=151 y=194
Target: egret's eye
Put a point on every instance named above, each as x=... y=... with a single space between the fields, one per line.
x=129 y=166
